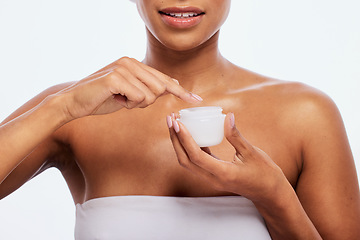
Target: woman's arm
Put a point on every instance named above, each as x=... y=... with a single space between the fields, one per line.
x=124 y=83
x=15 y=173
x=20 y=136
x=328 y=186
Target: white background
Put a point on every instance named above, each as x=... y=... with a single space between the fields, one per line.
x=46 y=42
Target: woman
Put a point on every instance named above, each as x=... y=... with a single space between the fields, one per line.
x=302 y=182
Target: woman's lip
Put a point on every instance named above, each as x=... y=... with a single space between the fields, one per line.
x=181 y=22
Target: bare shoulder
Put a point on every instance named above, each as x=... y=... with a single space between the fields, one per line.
x=300 y=101
x=306 y=111
x=292 y=98
x=296 y=105
x=303 y=94
x=309 y=108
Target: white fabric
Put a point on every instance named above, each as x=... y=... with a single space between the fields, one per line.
x=170 y=218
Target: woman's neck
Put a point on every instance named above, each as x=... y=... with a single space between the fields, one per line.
x=195 y=69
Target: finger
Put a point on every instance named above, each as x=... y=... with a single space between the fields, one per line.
x=178 y=91
x=150 y=97
x=172 y=85
x=242 y=146
x=196 y=155
x=156 y=85
x=119 y=85
x=179 y=150
x=182 y=156
x=158 y=82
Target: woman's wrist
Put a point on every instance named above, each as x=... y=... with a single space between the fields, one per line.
x=277 y=194
x=285 y=216
x=56 y=108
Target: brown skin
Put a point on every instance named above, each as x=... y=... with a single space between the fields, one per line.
x=119 y=151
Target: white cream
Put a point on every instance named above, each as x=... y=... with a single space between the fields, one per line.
x=205 y=124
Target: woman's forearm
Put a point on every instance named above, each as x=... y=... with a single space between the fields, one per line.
x=286 y=218
x=20 y=136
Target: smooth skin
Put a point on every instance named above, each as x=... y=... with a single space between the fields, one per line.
x=286 y=148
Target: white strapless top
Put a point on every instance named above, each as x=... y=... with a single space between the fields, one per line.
x=170 y=218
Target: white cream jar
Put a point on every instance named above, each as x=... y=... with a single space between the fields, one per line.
x=205 y=124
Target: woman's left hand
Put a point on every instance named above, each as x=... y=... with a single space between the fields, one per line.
x=251 y=173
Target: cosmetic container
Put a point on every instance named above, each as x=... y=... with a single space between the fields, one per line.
x=205 y=124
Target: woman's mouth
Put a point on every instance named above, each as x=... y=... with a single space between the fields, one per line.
x=181 y=17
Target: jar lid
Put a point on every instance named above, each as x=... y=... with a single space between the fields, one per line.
x=200 y=112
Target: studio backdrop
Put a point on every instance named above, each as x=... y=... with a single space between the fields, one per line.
x=43 y=43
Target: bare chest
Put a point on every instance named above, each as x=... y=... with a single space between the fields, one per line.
x=131 y=153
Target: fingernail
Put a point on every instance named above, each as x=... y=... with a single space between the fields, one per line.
x=176 y=126
x=232 y=120
x=196 y=97
x=169 y=121
x=176 y=81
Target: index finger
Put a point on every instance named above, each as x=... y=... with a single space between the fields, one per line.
x=173 y=86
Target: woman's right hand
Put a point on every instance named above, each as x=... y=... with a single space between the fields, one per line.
x=124 y=83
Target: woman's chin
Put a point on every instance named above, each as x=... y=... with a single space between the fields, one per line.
x=182 y=43
x=183 y=47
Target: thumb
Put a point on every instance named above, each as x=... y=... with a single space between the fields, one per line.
x=232 y=134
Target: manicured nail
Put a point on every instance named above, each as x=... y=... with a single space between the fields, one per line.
x=232 y=120
x=169 y=121
x=176 y=81
x=196 y=97
x=176 y=126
